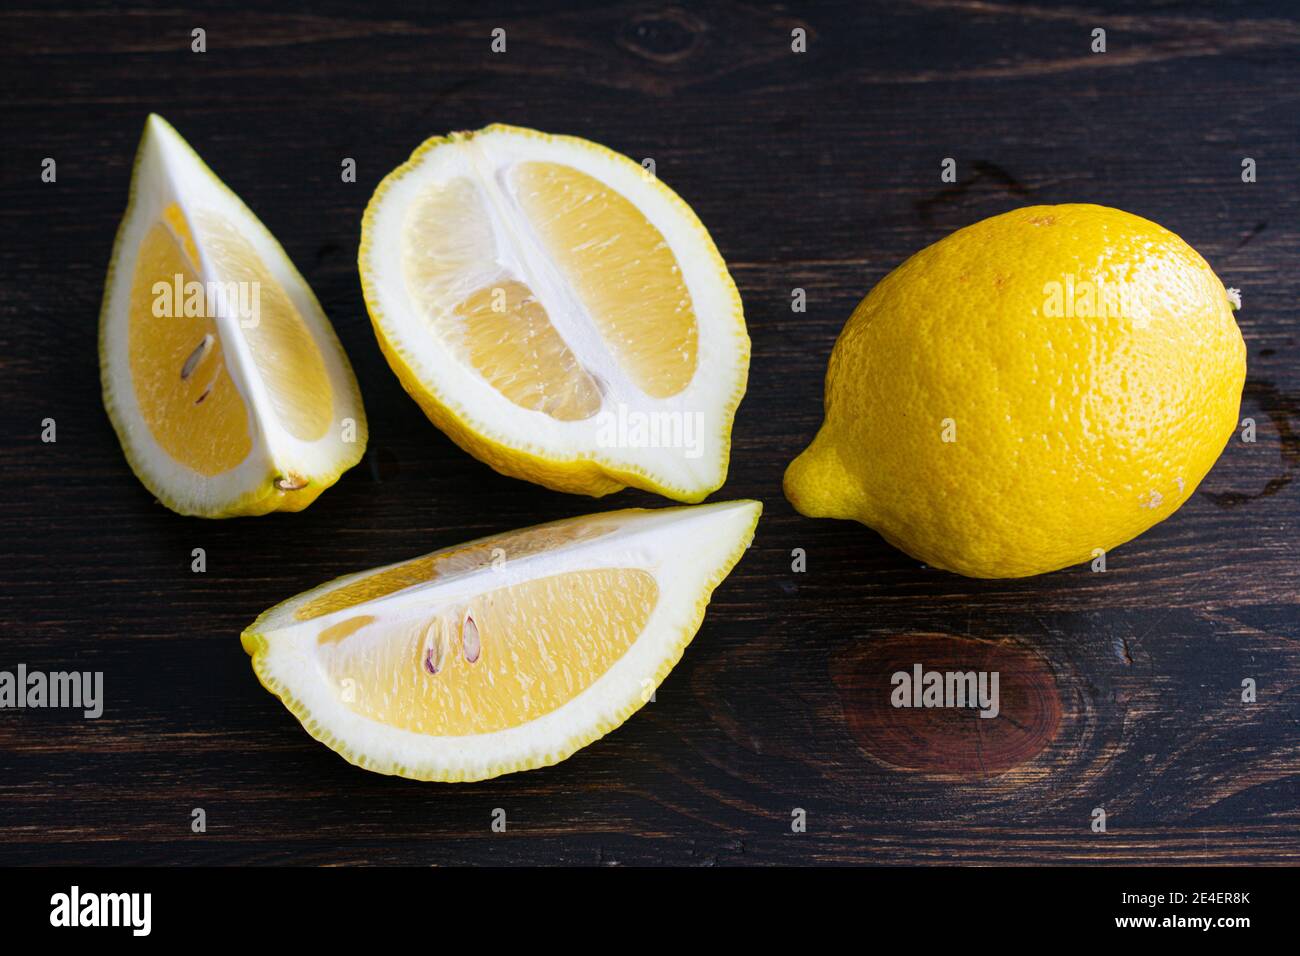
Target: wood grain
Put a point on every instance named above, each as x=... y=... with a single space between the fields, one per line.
x=817 y=171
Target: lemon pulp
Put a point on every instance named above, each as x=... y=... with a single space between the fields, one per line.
x=509 y=656
x=282 y=346
x=618 y=263
x=609 y=254
x=198 y=418
x=182 y=385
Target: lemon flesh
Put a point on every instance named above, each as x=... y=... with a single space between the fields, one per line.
x=572 y=626
x=1027 y=393
x=201 y=420
x=623 y=271
x=223 y=378
x=505 y=654
x=284 y=352
x=537 y=293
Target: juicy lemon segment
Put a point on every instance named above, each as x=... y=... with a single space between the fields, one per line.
x=509 y=340
x=557 y=312
x=229 y=393
x=621 y=268
x=507 y=657
x=282 y=347
x=504 y=654
x=178 y=370
x=487 y=319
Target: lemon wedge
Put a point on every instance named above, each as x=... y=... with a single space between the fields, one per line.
x=505 y=654
x=229 y=392
x=558 y=311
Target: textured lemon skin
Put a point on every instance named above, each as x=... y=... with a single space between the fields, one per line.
x=1070 y=433
x=575 y=475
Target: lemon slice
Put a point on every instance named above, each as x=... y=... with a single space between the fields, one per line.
x=559 y=312
x=229 y=392
x=504 y=654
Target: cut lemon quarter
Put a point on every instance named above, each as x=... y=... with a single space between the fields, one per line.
x=558 y=311
x=504 y=654
x=228 y=389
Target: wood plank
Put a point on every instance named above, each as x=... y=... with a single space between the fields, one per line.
x=817 y=171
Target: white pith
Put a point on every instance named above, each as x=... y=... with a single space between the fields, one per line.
x=487 y=158
x=169 y=171
x=687 y=549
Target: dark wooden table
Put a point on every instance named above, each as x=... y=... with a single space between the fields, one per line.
x=821 y=171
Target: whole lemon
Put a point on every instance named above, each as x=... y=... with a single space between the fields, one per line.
x=1027 y=393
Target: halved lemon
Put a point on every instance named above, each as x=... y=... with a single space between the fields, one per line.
x=504 y=654
x=558 y=311
x=229 y=392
